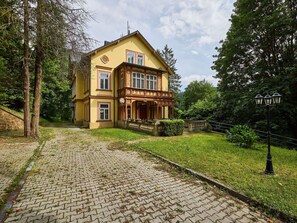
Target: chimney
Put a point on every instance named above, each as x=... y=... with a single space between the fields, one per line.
x=128 y=28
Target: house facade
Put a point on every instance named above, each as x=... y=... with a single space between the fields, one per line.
x=123 y=80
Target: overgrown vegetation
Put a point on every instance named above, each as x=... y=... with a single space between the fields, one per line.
x=172 y=127
x=242 y=135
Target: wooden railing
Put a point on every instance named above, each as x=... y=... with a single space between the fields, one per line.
x=132 y=92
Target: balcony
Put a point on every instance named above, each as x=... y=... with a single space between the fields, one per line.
x=144 y=93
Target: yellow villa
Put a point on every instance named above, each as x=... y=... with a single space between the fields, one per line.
x=124 y=80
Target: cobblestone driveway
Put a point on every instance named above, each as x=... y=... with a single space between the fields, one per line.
x=13 y=156
x=78 y=179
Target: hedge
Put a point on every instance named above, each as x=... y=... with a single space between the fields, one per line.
x=172 y=127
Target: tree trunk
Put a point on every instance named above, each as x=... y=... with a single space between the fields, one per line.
x=26 y=71
x=38 y=69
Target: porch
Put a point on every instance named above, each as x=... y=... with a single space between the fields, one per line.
x=145 y=110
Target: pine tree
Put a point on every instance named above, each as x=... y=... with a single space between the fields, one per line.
x=174 y=80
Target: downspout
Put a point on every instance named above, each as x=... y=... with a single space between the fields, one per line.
x=114 y=99
x=90 y=73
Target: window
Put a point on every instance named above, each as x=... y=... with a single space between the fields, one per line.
x=130 y=57
x=140 y=59
x=134 y=57
x=138 y=80
x=103 y=111
x=151 y=82
x=103 y=79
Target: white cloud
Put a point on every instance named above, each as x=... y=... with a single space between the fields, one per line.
x=205 y=22
x=194 y=52
x=198 y=77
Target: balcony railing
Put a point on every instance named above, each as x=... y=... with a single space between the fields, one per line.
x=134 y=92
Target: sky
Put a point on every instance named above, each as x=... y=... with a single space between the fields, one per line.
x=192 y=28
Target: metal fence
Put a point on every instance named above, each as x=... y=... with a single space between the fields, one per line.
x=277 y=140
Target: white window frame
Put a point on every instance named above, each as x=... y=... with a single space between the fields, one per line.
x=151 y=82
x=138 y=80
x=104 y=111
x=130 y=57
x=106 y=81
x=135 y=57
x=142 y=59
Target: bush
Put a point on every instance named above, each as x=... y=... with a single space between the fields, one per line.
x=242 y=135
x=172 y=127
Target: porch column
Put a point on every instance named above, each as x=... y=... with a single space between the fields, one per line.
x=126 y=112
x=131 y=110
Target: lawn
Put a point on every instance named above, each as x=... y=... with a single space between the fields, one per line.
x=241 y=169
x=118 y=134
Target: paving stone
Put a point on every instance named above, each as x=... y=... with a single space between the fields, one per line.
x=78 y=179
x=13 y=156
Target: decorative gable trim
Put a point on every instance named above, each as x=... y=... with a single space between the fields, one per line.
x=141 y=37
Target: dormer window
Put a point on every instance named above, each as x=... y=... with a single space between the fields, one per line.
x=135 y=57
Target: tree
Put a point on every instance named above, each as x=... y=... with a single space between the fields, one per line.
x=59 y=25
x=11 y=87
x=174 y=80
x=26 y=74
x=259 y=55
x=197 y=90
x=39 y=58
x=202 y=109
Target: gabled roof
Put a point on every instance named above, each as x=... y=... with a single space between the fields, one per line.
x=141 y=37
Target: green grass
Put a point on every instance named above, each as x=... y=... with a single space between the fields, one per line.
x=109 y=134
x=236 y=167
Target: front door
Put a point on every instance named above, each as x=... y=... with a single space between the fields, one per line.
x=143 y=111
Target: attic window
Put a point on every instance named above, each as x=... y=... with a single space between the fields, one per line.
x=130 y=57
x=135 y=57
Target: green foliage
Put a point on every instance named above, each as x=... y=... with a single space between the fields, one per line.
x=11 y=92
x=200 y=100
x=202 y=109
x=212 y=155
x=198 y=90
x=242 y=135
x=172 y=127
x=259 y=56
x=56 y=92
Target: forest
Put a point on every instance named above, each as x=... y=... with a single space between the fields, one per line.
x=258 y=56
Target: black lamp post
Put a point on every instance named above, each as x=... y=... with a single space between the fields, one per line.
x=268 y=101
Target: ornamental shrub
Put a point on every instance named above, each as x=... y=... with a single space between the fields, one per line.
x=172 y=127
x=242 y=135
